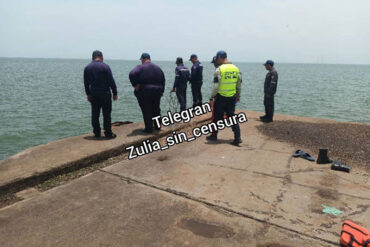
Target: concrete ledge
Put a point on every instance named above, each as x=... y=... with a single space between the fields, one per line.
x=199 y=193
x=37 y=164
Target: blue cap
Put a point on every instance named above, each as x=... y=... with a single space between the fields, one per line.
x=179 y=60
x=269 y=62
x=213 y=59
x=144 y=56
x=221 y=54
x=97 y=53
x=193 y=56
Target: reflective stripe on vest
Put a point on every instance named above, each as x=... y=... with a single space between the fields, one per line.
x=229 y=80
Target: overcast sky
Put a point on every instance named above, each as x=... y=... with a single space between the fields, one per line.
x=310 y=31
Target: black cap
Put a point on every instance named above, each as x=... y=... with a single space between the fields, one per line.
x=213 y=59
x=269 y=62
x=221 y=54
x=179 y=60
x=144 y=56
x=97 y=53
x=193 y=56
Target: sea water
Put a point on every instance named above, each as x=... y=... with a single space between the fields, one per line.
x=42 y=100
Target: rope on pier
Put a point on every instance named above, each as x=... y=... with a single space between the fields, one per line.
x=173 y=103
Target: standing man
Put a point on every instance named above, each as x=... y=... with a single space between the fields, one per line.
x=226 y=92
x=214 y=62
x=213 y=102
x=269 y=90
x=182 y=76
x=99 y=83
x=149 y=81
x=196 y=80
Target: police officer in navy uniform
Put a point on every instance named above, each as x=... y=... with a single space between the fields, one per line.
x=226 y=92
x=214 y=62
x=196 y=80
x=270 y=87
x=182 y=76
x=99 y=83
x=148 y=81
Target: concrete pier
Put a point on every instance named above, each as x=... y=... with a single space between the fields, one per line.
x=195 y=193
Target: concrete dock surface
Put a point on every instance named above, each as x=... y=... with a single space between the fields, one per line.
x=197 y=193
x=34 y=164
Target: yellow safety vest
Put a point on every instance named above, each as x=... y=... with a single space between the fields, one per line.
x=229 y=79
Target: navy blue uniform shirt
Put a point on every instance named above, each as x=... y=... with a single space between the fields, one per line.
x=98 y=79
x=149 y=76
x=271 y=82
x=196 y=72
x=182 y=76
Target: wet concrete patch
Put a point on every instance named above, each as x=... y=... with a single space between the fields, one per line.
x=328 y=194
x=162 y=158
x=206 y=229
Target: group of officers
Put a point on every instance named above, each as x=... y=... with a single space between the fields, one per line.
x=148 y=81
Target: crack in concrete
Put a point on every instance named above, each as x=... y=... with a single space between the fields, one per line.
x=304 y=171
x=283 y=190
x=259 y=198
x=214 y=206
x=348 y=180
x=245 y=170
x=363 y=208
x=274 y=151
x=283 y=177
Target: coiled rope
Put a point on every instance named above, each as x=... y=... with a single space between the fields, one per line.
x=173 y=103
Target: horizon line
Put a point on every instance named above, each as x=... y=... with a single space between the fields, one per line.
x=160 y=60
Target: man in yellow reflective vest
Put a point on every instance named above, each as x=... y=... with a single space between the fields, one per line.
x=226 y=92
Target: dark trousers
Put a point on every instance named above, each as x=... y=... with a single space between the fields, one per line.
x=181 y=96
x=226 y=105
x=104 y=102
x=149 y=102
x=196 y=90
x=269 y=106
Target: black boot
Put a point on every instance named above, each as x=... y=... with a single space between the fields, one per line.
x=323 y=157
x=212 y=137
x=267 y=120
x=236 y=141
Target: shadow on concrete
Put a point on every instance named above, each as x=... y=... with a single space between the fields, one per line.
x=119 y=123
x=206 y=229
x=219 y=141
x=140 y=132
x=93 y=138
